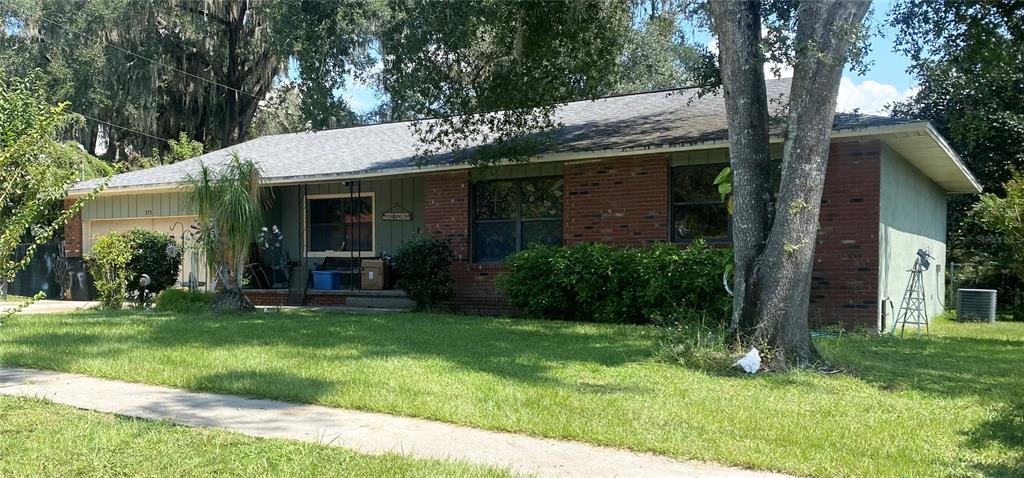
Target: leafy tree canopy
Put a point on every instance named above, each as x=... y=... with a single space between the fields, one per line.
x=36 y=170
x=212 y=62
x=969 y=60
x=280 y=112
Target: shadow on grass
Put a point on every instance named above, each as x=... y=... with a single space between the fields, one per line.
x=519 y=350
x=57 y=350
x=987 y=370
x=1005 y=430
x=267 y=384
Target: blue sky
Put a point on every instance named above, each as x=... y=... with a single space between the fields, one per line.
x=886 y=80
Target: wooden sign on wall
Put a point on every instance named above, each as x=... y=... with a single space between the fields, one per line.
x=396 y=213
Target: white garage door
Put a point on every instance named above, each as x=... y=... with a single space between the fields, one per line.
x=190 y=264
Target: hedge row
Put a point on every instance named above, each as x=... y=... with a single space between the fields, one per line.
x=601 y=283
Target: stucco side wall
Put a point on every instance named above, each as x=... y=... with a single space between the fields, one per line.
x=913 y=216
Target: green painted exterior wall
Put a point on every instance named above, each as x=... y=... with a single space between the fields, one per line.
x=912 y=217
x=517 y=171
x=286 y=209
x=134 y=206
x=404 y=192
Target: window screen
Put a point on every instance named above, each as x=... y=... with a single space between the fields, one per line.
x=341 y=224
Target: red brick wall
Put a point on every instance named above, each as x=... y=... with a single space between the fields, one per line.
x=625 y=201
x=73 y=232
x=844 y=283
x=620 y=201
x=446 y=216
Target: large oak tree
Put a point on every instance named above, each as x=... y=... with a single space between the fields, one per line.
x=774 y=240
x=202 y=67
x=457 y=59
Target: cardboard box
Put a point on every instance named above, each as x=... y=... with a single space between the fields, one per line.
x=372 y=274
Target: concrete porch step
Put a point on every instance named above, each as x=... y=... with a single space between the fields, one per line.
x=380 y=302
x=383 y=300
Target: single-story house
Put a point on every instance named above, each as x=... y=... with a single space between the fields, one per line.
x=629 y=170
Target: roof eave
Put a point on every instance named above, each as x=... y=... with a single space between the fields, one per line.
x=865 y=131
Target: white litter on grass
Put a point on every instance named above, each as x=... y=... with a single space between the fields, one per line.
x=751 y=362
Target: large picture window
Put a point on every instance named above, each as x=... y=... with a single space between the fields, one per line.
x=510 y=215
x=340 y=224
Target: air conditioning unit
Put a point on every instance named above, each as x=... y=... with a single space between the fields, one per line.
x=976 y=305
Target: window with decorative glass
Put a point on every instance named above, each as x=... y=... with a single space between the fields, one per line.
x=511 y=215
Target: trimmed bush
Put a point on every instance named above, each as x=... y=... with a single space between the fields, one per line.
x=156 y=255
x=118 y=261
x=424 y=271
x=183 y=301
x=601 y=283
x=108 y=264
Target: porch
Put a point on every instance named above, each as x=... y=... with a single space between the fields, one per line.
x=330 y=244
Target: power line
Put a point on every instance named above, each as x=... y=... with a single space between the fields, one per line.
x=111 y=45
x=124 y=128
x=112 y=125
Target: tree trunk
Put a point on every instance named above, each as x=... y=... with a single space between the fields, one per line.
x=738 y=24
x=230 y=296
x=232 y=299
x=779 y=282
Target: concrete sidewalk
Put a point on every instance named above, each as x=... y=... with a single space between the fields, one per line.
x=50 y=306
x=361 y=431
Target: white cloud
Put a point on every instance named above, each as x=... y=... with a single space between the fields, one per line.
x=870 y=97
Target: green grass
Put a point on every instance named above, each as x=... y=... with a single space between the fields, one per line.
x=42 y=439
x=947 y=405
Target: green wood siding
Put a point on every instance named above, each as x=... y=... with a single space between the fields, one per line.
x=716 y=156
x=517 y=171
x=135 y=206
x=404 y=192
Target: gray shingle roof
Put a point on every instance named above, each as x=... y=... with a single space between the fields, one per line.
x=638 y=121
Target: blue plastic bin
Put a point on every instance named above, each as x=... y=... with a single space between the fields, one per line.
x=326 y=280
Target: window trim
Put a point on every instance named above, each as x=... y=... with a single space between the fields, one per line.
x=673 y=171
x=776 y=165
x=306 y=225
x=518 y=220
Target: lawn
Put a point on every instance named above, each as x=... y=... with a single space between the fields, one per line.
x=947 y=405
x=42 y=439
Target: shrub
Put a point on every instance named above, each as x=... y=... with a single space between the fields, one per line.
x=424 y=271
x=183 y=301
x=596 y=282
x=118 y=260
x=156 y=255
x=108 y=264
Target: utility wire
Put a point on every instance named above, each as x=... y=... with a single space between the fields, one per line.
x=156 y=62
x=124 y=128
x=112 y=125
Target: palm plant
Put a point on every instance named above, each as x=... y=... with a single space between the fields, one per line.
x=229 y=203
